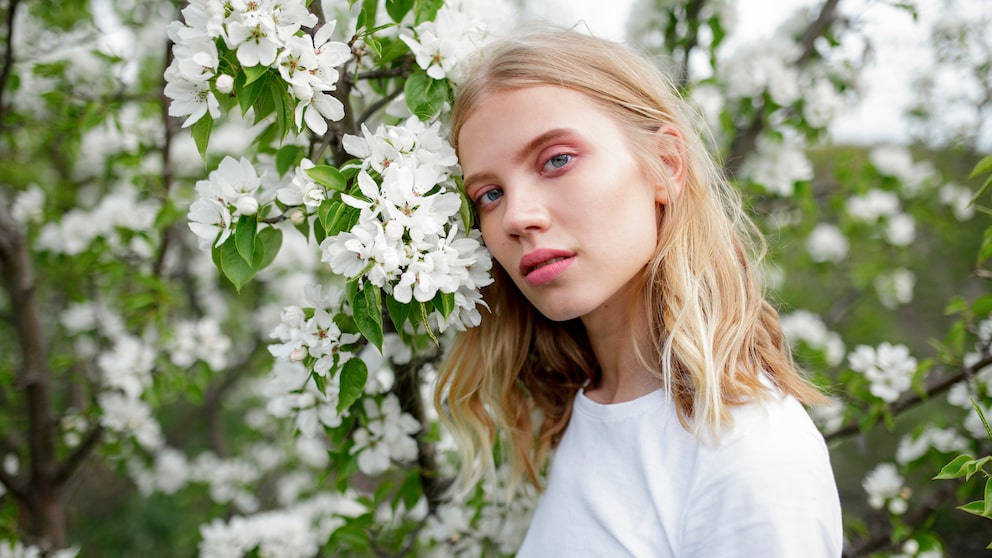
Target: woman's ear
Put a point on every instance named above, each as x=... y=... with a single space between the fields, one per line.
x=671 y=149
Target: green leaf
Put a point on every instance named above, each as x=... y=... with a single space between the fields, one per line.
x=353 y=377
x=367 y=307
x=398 y=312
x=375 y=45
x=981 y=415
x=326 y=212
x=411 y=490
x=248 y=95
x=426 y=10
x=337 y=216
x=444 y=303
x=425 y=96
x=983 y=167
x=201 y=130
x=328 y=177
x=244 y=236
x=987 y=510
x=466 y=210
x=287 y=158
x=254 y=73
x=986 y=249
x=977 y=507
x=975 y=466
x=319 y=234
x=269 y=240
x=320 y=382
x=237 y=270
x=283 y=106
x=956 y=468
x=397 y=9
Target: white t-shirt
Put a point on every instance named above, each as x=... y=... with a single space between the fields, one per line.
x=628 y=480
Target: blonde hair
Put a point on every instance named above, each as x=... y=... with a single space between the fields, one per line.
x=513 y=379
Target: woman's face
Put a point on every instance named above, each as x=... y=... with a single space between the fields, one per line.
x=563 y=204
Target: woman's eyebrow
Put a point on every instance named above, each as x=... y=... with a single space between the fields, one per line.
x=529 y=147
x=540 y=140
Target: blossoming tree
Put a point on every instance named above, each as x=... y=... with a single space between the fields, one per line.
x=228 y=290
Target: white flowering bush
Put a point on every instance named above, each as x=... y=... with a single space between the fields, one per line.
x=232 y=270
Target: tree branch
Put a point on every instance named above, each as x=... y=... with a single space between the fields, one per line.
x=34 y=378
x=8 y=58
x=746 y=139
x=935 y=388
x=13 y=485
x=79 y=456
x=407 y=389
x=691 y=14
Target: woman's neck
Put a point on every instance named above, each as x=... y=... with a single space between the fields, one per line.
x=612 y=332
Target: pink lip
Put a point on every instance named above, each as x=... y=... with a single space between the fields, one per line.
x=538 y=268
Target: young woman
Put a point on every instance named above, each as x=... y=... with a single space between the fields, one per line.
x=627 y=331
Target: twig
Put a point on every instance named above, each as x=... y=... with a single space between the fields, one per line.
x=8 y=58
x=745 y=141
x=909 y=401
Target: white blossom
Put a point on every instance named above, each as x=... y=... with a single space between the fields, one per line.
x=958 y=198
x=869 y=207
x=826 y=243
x=805 y=326
x=888 y=367
x=200 y=340
x=777 y=166
x=897 y=161
x=128 y=366
x=900 y=230
x=895 y=287
x=822 y=103
x=17 y=549
x=130 y=417
x=386 y=436
x=302 y=190
x=765 y=65
x=441 y=47
x=28 y=206
x=884 y=485
x=945 y=440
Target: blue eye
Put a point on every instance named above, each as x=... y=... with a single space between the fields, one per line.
x=488 y=197
x=557 y=162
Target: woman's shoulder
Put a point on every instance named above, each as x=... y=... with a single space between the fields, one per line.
x=766 y=439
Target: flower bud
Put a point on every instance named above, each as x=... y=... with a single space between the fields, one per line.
x=224 y=83
x=247 y=205
x=298 y=217
x=298 y=354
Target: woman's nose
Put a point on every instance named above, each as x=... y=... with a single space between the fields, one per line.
x=524 y=212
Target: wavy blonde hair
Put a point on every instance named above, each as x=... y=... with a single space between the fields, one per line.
x=513 y=379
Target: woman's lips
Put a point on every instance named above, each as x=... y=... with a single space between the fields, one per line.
x=543 y=265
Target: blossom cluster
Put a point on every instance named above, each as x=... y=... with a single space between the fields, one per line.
x=292 y=532
x=410 y=239
x=883 y=206
x=886 y=487
x=806 y=327
x=261 y=33
x=441 y=46
x=889 y=368
x=234 y=189
x=17 y=549
x=121 y=210
x=387 y=435
x=499 y=528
